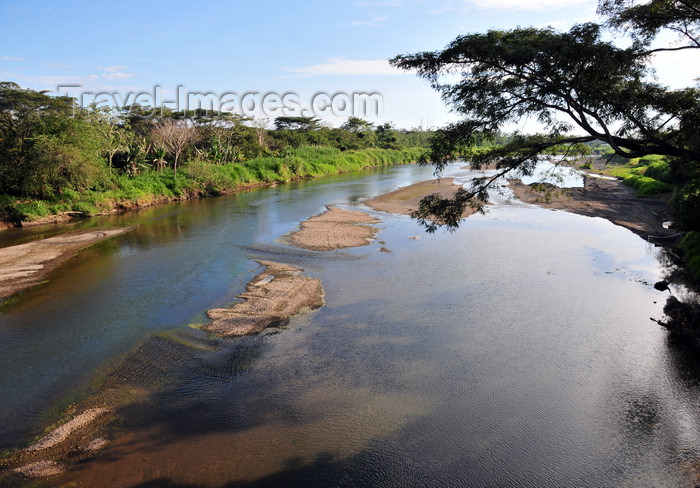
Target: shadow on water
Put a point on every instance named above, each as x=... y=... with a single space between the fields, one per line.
x=324 y=471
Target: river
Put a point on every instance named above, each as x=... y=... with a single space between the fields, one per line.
x=516 y=351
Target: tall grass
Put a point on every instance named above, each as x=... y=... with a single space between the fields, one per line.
x=650 y=175
x=204 y=178
x=646 y=186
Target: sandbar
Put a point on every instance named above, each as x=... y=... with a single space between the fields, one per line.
x=272 y=297
x=407 y=199
x=27 y=265
x=336 y=228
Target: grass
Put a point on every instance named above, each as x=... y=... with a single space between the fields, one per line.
x=646 y=186
x=203 y=178
x=649 y=175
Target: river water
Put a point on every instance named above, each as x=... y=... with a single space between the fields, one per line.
x=516 y=351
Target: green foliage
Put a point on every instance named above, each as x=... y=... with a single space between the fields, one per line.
x=504 y=76
x=200 y=177
x=659 y=171
x=43 y=148
x=30 y=210
x=690 y=246
x=296 y=123
x=646 y=186
x=650 y=175
x=687 y=203
x=68 y=157
x=55 y=159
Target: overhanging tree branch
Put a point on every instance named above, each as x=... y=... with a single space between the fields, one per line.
x=603 y=89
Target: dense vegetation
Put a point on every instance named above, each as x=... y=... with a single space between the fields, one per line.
x=57 y=160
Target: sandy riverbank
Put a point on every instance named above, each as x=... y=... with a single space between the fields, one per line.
x=608 y=199
x=27 y=265
x=407 y=199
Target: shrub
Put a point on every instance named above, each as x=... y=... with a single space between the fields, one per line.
x=646 y=186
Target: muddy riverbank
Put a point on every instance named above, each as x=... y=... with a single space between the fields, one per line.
x=607 y=199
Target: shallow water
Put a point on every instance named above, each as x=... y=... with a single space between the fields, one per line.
x=517 y=351
x=180 y=260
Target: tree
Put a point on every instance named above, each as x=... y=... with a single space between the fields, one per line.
x=174 y=136
x=45 y=145
x=297 y=123
x=356 y=124
x=115 y=136
x=386 y=136
x=567 y=81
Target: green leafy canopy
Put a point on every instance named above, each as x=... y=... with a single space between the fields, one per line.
x=579 y=86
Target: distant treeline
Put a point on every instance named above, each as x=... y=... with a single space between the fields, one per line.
x=57 y=158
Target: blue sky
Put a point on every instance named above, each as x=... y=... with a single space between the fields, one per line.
x=259 y=47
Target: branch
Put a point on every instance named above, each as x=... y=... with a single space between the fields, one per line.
x=670 y=49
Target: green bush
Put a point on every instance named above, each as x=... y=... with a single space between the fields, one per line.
x=646 y=186
x=690 y=246
x=31 y=210
x=687 y=204
x=659 y=170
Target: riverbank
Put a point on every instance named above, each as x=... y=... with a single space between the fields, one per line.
x=196 y=179
x=608 y=199
x=27 y=265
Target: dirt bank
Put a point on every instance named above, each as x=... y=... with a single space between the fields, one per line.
x=272 y=297
x=26 y=265
x=407 y=199
x=336 y=228
x=605 y=198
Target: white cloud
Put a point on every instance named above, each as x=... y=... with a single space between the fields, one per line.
x=59 y=66
x=374 y=22
x=115 y=72
x=11 y=58
x=442 y=10
x=338 y=66
x=117 y=76
x=112 y=69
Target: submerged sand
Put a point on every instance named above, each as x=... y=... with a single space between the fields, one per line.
x=336 y=228
x=272 y=297
x=608 y=199
x=26 y=265
x=407 y=199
